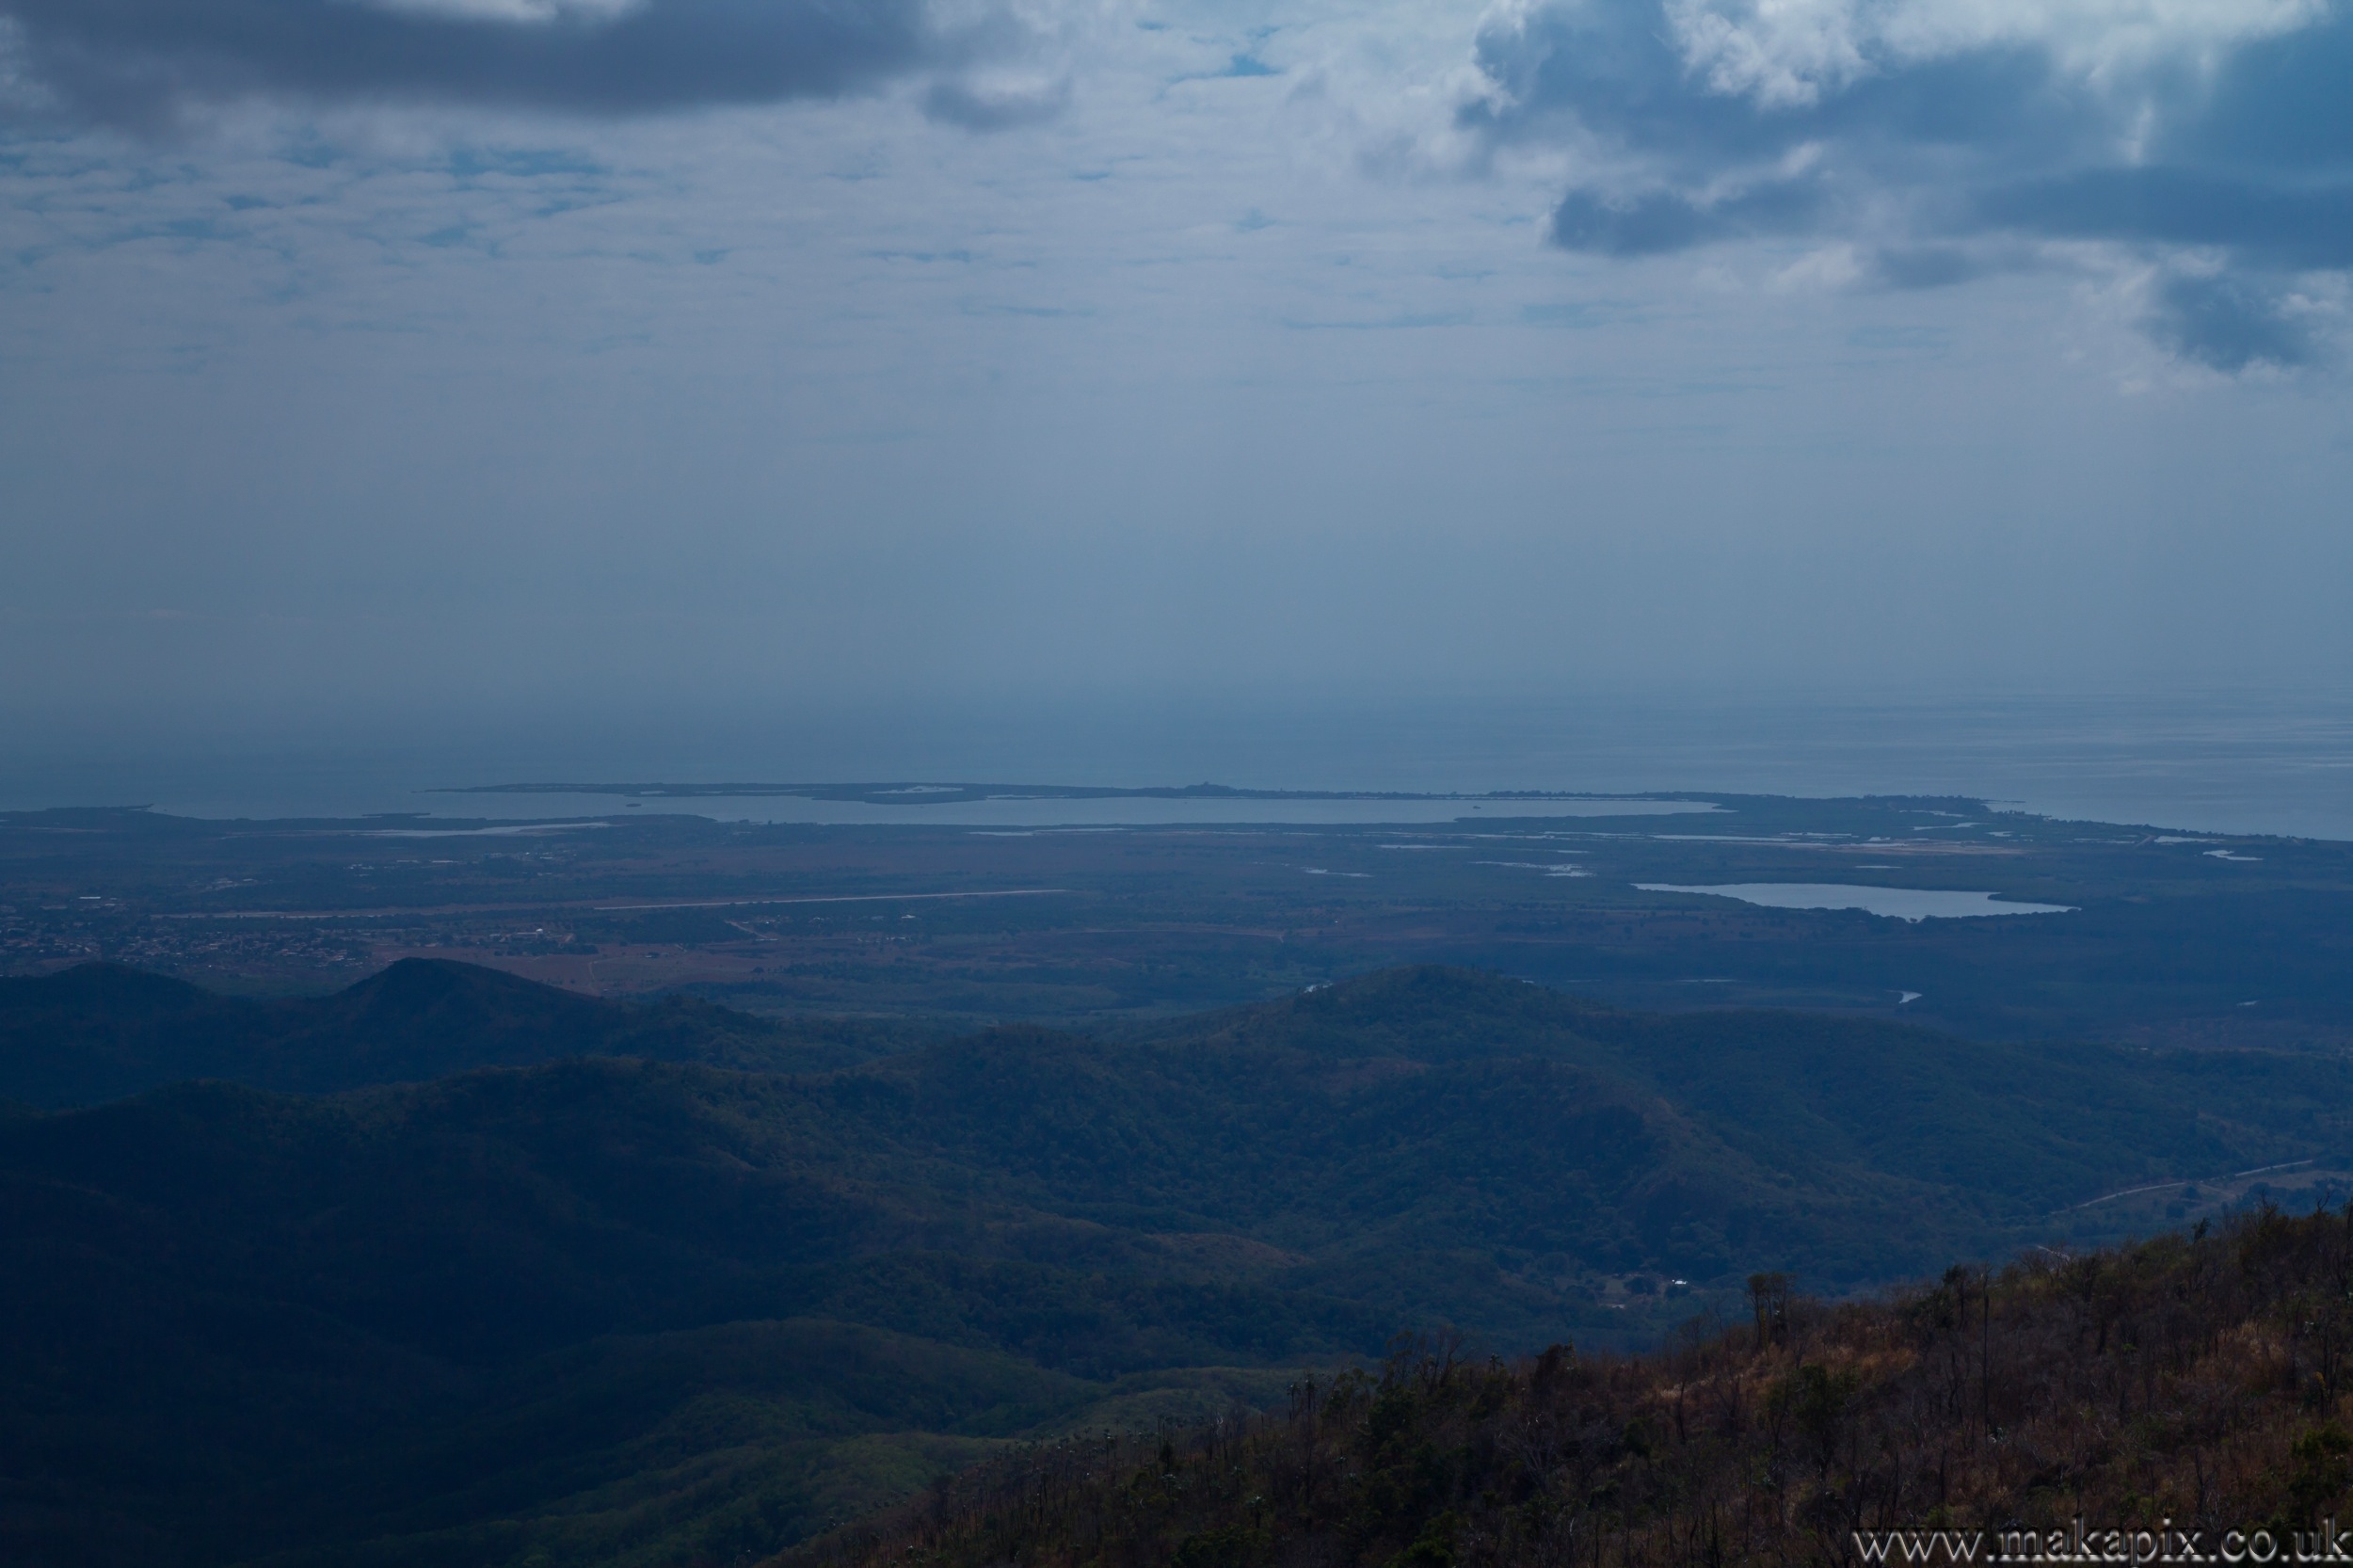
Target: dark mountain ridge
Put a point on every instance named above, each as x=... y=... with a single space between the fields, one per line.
x=102 y=1031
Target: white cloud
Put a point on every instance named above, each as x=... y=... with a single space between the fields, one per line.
x=1787 y=53
x=517 y=11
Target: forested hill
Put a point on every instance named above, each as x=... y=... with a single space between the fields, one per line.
x=613 y=1309
x=2193 y=1385
x=100 y=1032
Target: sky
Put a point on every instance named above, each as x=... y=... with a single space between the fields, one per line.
x=370 y=366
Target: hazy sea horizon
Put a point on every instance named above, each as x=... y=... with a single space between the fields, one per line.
x=2207 y=762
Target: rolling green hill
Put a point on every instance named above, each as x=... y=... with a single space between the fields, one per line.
x=613 y=1309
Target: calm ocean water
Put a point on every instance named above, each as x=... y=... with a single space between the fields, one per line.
x=2209 y=763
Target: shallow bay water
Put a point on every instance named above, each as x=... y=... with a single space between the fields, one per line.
x=2201 y=762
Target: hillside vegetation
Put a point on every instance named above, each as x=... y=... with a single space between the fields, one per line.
x=2196 y=1385
x=608 y=1309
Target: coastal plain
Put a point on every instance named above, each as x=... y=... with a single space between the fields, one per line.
x=2168 y=938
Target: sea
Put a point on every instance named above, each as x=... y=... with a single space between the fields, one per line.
x=2212 y=761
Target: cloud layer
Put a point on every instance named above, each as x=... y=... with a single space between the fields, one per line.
x=144 y=61
x=2212 y=143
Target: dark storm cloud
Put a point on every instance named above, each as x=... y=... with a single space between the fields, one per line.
x=2262 y=217
x=1942 y=168
x=140 y=61
x=977 y=110
x=1657 y=221
x=2228 y=323
x=2280 y=103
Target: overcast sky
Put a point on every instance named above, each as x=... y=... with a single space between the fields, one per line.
x=416 y=357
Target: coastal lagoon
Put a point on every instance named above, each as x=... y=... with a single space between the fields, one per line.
x=1900 y=904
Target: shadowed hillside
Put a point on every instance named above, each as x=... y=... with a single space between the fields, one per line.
x=2025 y=1128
